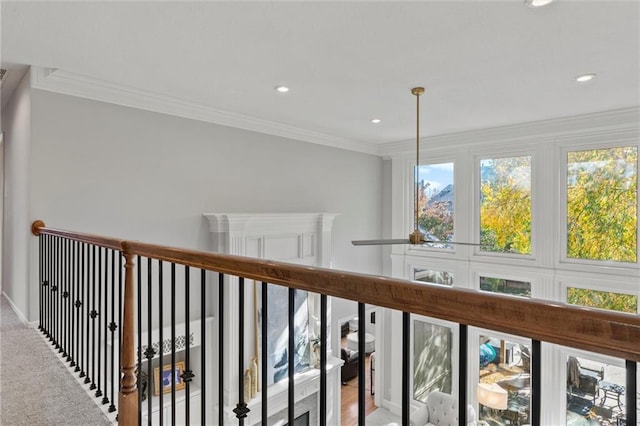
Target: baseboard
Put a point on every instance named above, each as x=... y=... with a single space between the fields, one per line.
x=23 y=319
x=392 y=407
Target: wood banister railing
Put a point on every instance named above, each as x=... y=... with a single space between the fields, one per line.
x=611 y=333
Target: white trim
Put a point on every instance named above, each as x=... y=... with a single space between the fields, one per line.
x=623 y=121
x=68 y=83
x=23 y=319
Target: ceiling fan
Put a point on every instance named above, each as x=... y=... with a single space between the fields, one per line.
x=417 y=236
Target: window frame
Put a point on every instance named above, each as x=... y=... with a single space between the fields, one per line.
x=505 y=258
x=563 y=262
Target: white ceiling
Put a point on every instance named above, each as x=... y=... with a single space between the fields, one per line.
x=483 y=63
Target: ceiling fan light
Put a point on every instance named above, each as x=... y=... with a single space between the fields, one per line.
x=536 y=3
x=281 y=89
x=376 y=120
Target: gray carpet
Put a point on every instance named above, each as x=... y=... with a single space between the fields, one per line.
x=35 y=387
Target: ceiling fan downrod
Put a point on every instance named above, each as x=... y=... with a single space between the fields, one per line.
x=417 y=237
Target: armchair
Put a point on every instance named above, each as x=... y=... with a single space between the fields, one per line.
x=440 y=409
x=349 y=369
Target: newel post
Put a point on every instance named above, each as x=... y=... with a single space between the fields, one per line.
x=128 y=396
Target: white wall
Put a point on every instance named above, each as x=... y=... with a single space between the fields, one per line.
x=16 y=125
x=117 y=171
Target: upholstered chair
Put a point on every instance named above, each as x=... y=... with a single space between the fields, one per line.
x=441 y=409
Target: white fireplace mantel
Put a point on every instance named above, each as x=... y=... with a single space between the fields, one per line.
x=290 y=237
x=302 y=238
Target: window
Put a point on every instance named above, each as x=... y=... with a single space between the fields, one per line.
x=436 y=202
x=504 y=388
x=602 y=203
x=434 y=277
x=505 y=205
x=504 y=286
x=431 y=359
x=594 y=390
x=602 y=299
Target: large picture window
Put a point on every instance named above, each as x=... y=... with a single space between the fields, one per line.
x=602 y=204
x=505 y=205
x=436 y=202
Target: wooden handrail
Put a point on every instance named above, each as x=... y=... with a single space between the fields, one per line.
x=38 y=227
x=607 y=332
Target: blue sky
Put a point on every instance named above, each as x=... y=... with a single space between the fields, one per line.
x=438 y=175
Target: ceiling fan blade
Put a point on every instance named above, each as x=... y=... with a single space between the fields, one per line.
x=406 y=241
x=451 y=242
x=380 y=242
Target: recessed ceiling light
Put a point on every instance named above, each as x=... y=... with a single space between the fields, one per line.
x=585 y=77
x=376 y=121
x=282 y=89
x=536 y=3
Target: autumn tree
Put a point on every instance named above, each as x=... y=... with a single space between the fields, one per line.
x=602 y=299
x=602 y=204
x=435 y=217
x=505 y=205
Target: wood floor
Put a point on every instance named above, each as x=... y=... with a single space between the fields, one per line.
x=349 y=398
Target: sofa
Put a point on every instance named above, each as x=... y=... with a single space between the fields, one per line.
x=440 y=409
x=349 y=369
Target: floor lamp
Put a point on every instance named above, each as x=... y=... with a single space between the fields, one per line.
x=492 y=396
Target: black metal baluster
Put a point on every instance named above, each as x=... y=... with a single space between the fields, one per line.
x=406 y=382
x=105 y=324
x=462 y=376
x=139 y=370
x=60 y=304
x=40 y=278
x=87 y=313
x=112 y=328
x=149 y=353
x=77 y=304
x=631 y=390
x=52 y=288
x=52 y=295
x=100 y=315
x=72 y=305
x=362 y=377
x=73 y=354
x=52 y=284
x=203 y=346
x=323 y=360
x=291 y=361
x=93 y=316
x=221 y=348
x=173 y=343
x=241 y=409
x=263 y=354
x=81 y=310
x=45 y=285
x=536 y=381
x=56 y=303
x=49 y=285
x=65 y=300
x=160 y=335
x=50 y=281
x=187 y=374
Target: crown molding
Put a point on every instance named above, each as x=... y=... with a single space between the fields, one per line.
x=68 y=83
x=621 y=123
